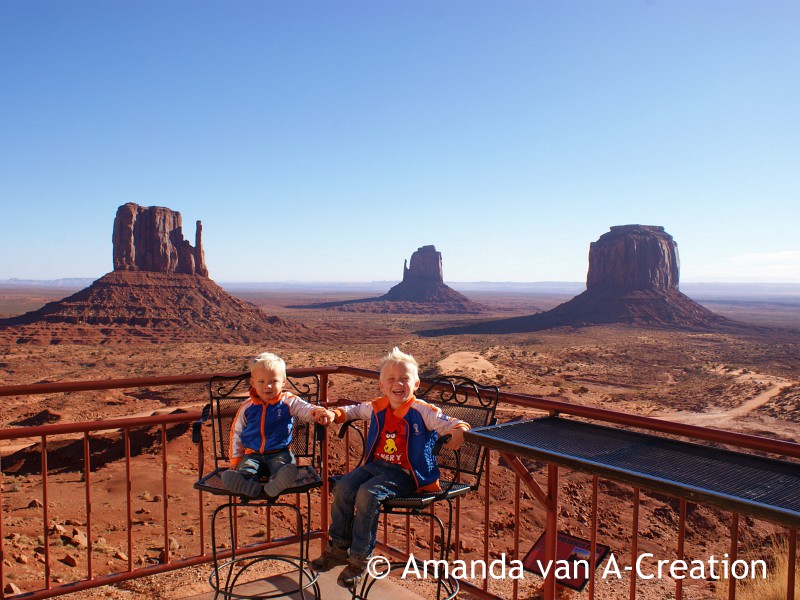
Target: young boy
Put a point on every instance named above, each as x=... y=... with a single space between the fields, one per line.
x=262 y=430
x=399 y=461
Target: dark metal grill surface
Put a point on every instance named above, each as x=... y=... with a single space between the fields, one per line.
x=687 y=469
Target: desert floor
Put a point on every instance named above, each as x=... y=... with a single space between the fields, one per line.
x=747 y=382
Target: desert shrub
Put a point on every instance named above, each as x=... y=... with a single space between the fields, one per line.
x=774 y=586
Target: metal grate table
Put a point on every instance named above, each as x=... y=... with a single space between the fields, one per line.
x=763 y=487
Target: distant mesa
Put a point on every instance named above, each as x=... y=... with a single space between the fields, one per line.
x=422 y=291
x=633 y=278
x=423 y=282
x=159 y=291
x=633 y=257
x=150 y=238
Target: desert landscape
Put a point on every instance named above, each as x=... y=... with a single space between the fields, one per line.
x=631 y=342
x=746 y=382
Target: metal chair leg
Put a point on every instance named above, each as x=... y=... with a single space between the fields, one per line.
x=306 y=579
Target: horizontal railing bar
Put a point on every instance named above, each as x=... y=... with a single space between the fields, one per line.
x=111 y=384
x=97 y=426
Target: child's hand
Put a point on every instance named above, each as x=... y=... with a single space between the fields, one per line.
x=324 y=417
x=456 y=438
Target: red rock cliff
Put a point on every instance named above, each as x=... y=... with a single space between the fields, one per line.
x=150 y=238
x=633 y=257
x=426 y=265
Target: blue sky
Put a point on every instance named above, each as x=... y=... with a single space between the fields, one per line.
x=326 y=141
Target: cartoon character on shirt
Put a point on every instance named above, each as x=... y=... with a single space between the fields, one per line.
x=390 y=447
x=393 y=448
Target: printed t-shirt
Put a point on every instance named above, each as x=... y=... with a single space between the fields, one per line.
x=393 y=442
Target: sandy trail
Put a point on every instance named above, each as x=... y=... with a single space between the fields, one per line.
x=723 y=418
x=468 y=363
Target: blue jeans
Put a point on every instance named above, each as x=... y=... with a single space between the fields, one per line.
x=256 y=466
x=357 y=501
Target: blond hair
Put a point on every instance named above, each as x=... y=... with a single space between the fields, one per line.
x=269 y=361
x=397 y=356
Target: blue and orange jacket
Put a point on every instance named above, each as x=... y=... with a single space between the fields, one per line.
x=262 y=427
x=425 y=423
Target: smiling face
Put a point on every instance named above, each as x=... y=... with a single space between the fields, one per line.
x=267 y=382
x=399 y=381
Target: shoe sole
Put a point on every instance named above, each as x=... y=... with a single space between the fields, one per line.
x=283 y=479
x=328 y=566
x=239 y=484
x=349 y=585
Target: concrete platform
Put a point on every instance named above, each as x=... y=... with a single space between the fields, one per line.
x=329 y=589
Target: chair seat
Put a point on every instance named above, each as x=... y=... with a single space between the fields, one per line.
x=422 y=499
x=307 y=479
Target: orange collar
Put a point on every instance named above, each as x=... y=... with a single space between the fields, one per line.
x=257 y=399
x=383 y=403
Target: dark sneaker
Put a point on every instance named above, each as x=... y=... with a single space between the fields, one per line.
x=239 y=484
x=283 y=479
x=330 y=557
x=351 y=574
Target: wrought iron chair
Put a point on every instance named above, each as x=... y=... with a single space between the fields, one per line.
x=461 y=470
x=225 y=396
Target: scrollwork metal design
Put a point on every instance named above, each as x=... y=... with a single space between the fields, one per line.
x=227 y=387
x=458 y=390
x=224 y=387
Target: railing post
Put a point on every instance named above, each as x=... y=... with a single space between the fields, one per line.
x=2 y=537
x=517 y=494
x=324 y=511
x=128 y=491
x=792 y=568
x=551 y=535
x=593 y=538
x=164 y=491
x=634 y=541
x=734 y=553
x=487 y=480
x=200 y=510
x=681 y=545
x=87 y=469
x=45 y=515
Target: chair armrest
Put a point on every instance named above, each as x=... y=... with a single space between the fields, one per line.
x=343 y=431
x=437 y=446
x=197 y=426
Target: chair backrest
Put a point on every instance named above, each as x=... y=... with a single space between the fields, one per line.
x=226 y=394
x=464 y=399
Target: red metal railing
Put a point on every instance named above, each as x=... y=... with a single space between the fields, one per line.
x=502 y=519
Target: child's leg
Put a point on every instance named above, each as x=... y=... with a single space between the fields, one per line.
x=340 y=533
x=244 y=479
x=282 y=471
x=387 y=481
x=343 y=505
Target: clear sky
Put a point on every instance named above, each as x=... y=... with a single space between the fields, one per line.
x=328 y=140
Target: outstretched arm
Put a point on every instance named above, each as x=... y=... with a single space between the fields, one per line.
x=456 y=434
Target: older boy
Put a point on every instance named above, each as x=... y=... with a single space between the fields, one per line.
x=262 y=430
x=399 y=461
